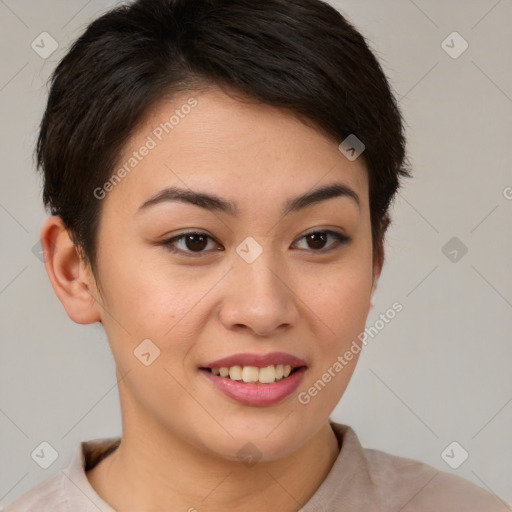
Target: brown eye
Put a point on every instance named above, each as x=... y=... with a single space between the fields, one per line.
x=316 y=240
x=196 y=242
x=192 y=243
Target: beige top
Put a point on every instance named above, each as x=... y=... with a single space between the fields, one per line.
x=360 y=480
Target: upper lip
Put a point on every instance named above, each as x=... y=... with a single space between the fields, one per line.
x=258 y=360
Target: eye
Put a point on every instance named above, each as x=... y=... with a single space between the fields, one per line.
x=194 y=243
x=317 y=240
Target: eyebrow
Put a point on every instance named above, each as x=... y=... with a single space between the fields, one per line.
x=215 y=203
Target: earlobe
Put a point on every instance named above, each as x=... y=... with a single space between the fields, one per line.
x=70 y=277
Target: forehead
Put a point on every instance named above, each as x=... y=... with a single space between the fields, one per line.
x=243 y=149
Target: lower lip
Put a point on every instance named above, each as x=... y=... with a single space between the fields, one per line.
x=255 y=393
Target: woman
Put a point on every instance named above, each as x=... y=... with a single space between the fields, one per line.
x=219 y=175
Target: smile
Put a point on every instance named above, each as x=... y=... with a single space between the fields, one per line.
x=255 y=379
x=265 y=375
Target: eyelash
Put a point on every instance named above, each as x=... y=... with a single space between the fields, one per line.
x=168 y=244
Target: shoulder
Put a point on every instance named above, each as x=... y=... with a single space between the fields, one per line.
x=69 y=489
x=373 y=480
x=44 y=497
x=421 y=487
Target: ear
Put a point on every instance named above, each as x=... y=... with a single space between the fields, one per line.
x=378 y=253
x=378 y=261
x=70 y=277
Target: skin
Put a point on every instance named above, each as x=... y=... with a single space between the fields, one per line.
x=180 y=434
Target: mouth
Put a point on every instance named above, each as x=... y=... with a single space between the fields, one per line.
x=255 y=379
x=261 y=375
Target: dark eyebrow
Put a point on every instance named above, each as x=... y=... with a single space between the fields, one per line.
x=215 y=203
x=319 y=194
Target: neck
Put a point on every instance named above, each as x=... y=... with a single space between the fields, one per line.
x=152 y=469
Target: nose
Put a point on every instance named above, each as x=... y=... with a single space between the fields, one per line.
x=259 y=297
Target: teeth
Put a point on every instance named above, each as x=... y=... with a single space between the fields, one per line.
x=250 y=374
x=235 y=373
x=265 y=375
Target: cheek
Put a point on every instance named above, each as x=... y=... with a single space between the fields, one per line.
x=339 y=295
x=141 y=294
x=341 y=305
x=159 y=301
x=341 y=309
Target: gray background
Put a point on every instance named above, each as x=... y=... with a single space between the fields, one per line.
x=437 y=373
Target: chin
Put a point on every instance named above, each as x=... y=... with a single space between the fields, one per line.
x=266 y=439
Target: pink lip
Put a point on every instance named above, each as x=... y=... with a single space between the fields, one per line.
x=256 y=393
x=258 y=360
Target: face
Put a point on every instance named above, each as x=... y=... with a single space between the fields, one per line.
x=260 y=279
